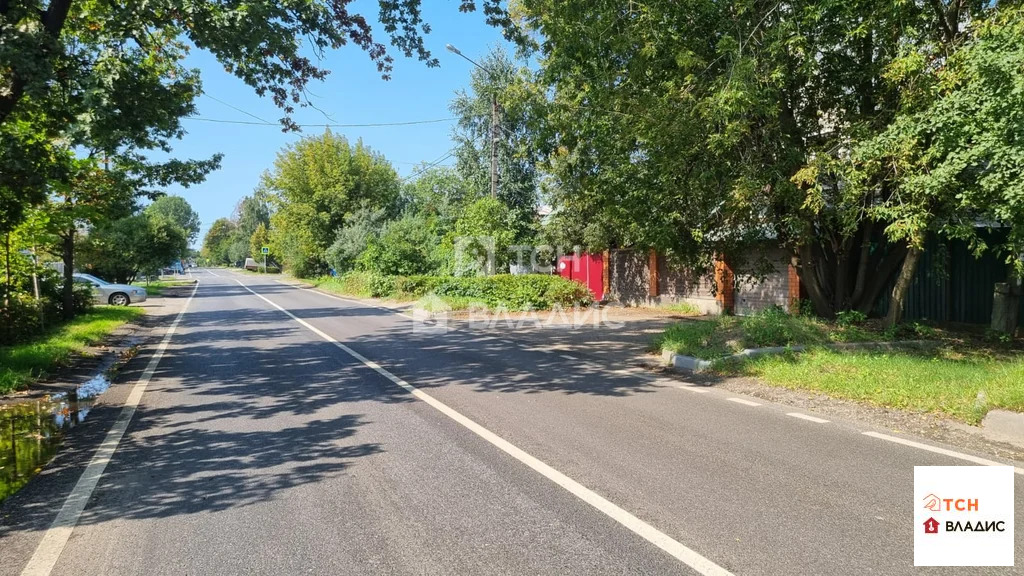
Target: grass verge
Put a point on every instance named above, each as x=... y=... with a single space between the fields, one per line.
x=721 y=336
x=23 y=364
x=961 y=383
x=156 y=287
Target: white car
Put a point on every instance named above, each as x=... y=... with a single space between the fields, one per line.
x=113 y=294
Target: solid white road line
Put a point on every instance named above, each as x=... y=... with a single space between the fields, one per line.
x=56 y=537
x=349 y=300
x=807 y=417
x=742 y=401
x=685 y=555
x=942 y=451
x=692 y=388
x=212 y=272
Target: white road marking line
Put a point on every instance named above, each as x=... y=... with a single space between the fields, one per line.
x=361 y=303
x=807 y=417
x=691 y=388
x=680 y=552
x=942 y=451
x=742 y=401
x=212 y=272
x=56 y=538
x=568 y=357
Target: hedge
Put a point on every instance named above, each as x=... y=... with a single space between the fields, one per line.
x=520 y=292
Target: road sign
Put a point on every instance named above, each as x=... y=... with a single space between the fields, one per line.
x=265 y=250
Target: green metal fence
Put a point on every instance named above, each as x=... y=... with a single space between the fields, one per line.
x=951 y=285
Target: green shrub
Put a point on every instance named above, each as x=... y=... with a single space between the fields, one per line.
x=692 y=338
x=532 y=291
x=774 y=327
x=851 y=318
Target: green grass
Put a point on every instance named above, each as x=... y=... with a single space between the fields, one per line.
x=947 y=380
x=23 y=364
x=682 y=308
x=721 y=336
x=156 y=287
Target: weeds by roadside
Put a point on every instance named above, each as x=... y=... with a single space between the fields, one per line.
x=22 y=364
x=962 y=376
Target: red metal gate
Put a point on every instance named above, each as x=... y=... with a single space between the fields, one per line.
x=587 y=269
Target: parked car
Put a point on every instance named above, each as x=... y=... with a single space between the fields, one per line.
x=113 y=294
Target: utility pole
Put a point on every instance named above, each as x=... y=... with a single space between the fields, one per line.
x=494 y=145
x=495 y=121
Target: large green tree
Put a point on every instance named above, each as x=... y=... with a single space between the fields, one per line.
x=217 y=240
x=56 y=55
x=121 y=250
x=314 y=186
x=699 y=127
x=178 y=211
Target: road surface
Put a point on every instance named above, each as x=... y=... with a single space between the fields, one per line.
x=285 y=431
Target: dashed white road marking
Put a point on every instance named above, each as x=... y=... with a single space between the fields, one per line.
x=742 y=401
x=807 y=417
x=56 y=538
x=943 y=451
x=673 y=547
x=692 y=388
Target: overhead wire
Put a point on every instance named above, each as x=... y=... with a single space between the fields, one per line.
x=367 y=125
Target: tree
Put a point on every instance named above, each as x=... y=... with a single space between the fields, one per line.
x=215 y=243
x=260 y=238
x=484 y=231
x=251 y=213
x=737 y=127
x=518 y=153
x=405 y=247
x=440 y=193
x=361 y=228
x=315 y=185
x=177 y=210
x=952 y=155
x=51 y=49
x=119 y=251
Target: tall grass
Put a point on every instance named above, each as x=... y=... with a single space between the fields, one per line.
x=22 y=364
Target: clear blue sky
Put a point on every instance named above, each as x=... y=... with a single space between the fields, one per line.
x=352 y=94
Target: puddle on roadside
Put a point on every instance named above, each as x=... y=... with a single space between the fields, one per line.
x=31 y=431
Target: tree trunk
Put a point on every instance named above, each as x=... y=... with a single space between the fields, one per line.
x=902 y=287
x=7 y=289
x=68 y=255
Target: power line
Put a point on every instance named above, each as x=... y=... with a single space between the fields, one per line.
x=447 y=155
x=370 y=125
x=233 y=107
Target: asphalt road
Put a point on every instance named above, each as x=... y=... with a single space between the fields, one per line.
x=262 y=446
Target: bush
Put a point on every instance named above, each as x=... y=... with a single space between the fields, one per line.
x=533 y=291
x=851 y=318
x=774 y=327
x=404 y=247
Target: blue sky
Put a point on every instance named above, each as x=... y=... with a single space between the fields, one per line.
x=353 y=94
